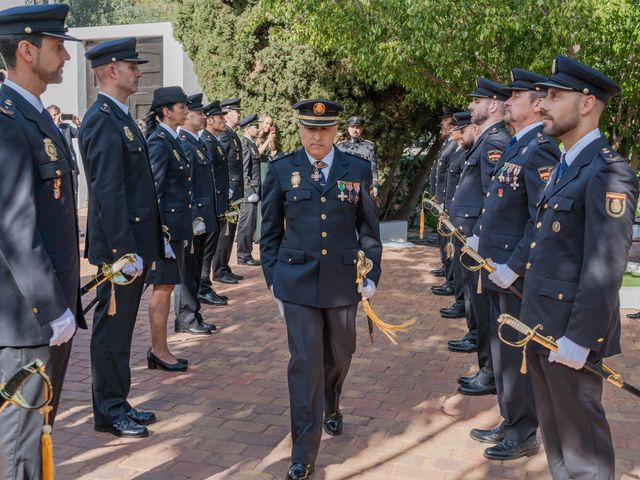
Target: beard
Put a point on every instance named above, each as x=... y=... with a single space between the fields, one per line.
x=559 y=127
x=480 y=117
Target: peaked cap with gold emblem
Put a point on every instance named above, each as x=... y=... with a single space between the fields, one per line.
x=318 y=112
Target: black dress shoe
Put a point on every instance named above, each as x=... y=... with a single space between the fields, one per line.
x=465 y=380
x=454 y=311
x=495 y=435
x=333 y=424
x=141 y=418
x=210 y=298
x=237 y=277
x=227 y=279
x=252 y=262
x=438 y=272
x=464 y=345
x=299 y=471
x=154 y=362
x=197 y=329
x=204 y=324
x=634 y=316
x=125 y=428
x=510 y=450
x=476 y=389
x=223 y=297
x=443 y=290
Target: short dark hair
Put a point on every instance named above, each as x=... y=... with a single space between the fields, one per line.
x=9 y=46
x=537 y=94
x=54 y=107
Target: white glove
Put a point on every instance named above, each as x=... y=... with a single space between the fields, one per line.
x=368 y=290
x=278 y=302
x=375 y=192
x=253 y=198
x=131 y=269
x=63 y=328
x=473 y=242
x=569 y=353
x=503 y=276
x=230 y=193
x=441 y=206
x=168 y=251
x=199 y=228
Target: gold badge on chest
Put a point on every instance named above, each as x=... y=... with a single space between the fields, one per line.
x=128 y=133
x=50 y=149
x=295 y=179
x=176 y=154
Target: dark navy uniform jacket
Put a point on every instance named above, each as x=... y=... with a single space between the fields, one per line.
x=250 y=167
x=442 y=169
x=310 y=237
x=172 y=174
x=507 y=222
x=231 y=143
x=582 y=236
x=474 y=181
x=39 y=257
x=203 y=187
x=220 y=172
x=456 y=164
x=123 y=214
x=365 y=149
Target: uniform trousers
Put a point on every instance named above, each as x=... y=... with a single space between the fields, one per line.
x=246 y=230
x=185 y=295
x=321 y=342
x=20 y=433
x=576 y=435
x=456 y=280
x=111 y=351
x=515 y=394
x=223 y=250
x=481 y=310
x=210 y=247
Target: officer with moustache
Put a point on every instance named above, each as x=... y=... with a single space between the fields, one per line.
x=215 y=125
x=582 y=234
x=487 y=112
x=205 y=221
x=233 y=148
x=317 y=214
x=123 y=218
x=505 y=230
x=39 y=259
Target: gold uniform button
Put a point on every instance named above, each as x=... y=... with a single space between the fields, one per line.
x=600 y=340
x=115 y=250
x=488 y=193
x=323 y=199
x=295 y=197
x=35 y=310
x=189 y=178
x=189 y=205
x=545 y=206
x=173 y=210
x=560 y=296
x=324 y=251
x=58 y=172
x=466 y=214
x=533 y=245
x=324 y=234
x=539 y=225
x=189 y=192
x=323 y=216
x=493 y=177
x=289 y=260
x=528 y=265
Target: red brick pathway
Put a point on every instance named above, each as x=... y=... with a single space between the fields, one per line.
x=227 y=416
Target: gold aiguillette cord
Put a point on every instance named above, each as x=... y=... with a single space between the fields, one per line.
x=364 y=266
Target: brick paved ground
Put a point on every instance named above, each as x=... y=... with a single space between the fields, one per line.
x=227 y=416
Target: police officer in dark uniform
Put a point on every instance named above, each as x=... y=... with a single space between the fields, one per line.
x=215 y=125
x=487 y=111
x=39 y=259
x=582 y=234
x=123 y=218
x=356 y=145
x=461 y=121
x=205 y=221
x=251 y=175
x=172 y=175
x=505 y=229
x=317 y=214
x=233 y=148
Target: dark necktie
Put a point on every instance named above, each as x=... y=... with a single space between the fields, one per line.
x=563 y=166
x=318 y=174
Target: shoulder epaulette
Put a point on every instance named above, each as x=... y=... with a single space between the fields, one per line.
x=183 y=137
x=6 y=107
x=280 y=156
x=493 y=130
x=610 y=156
x=105 y=108
x=368 y=141
x=540 y=138
x=160 y=134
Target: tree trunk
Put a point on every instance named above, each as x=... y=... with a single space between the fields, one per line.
x=391 y=197
x=415 y=191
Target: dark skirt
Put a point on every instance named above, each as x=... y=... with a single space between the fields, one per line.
x=168 y=271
